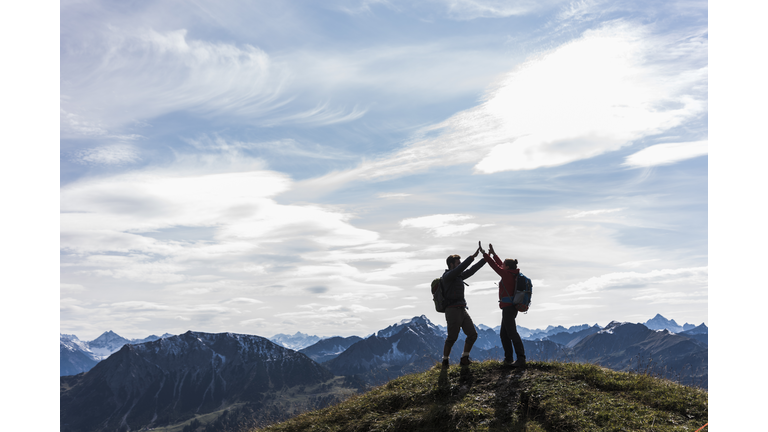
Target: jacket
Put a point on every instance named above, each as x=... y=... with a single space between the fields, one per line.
x=508 y=282
x=453 y=281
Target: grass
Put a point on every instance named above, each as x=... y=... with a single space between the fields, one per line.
x=546 y=396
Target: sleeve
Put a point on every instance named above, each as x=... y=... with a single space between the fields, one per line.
x=497 y=267
x=473 y=269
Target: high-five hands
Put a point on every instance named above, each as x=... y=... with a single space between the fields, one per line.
x=490 y=249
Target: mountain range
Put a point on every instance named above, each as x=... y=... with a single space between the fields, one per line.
x=173 y=379
x=80 y=356
x=176 y=379
x=77 y=356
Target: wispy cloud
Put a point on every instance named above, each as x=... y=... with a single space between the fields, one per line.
x=151 y=73
x=283 y=147
x=634 y=280
x=114 y=154
x=594 y=212
x=472 y=9
x=593 y=95
x=666 y=154
x=442 y=225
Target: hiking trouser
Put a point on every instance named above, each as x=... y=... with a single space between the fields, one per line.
x=509 y=335
x=458 y=318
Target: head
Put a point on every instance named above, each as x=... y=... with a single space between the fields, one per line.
x=452 y=261
x=510 y=264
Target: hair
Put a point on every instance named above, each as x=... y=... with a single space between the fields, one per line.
x=511 y=263
x=451 y=259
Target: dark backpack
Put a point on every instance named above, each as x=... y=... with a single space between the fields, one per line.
x=438 y=295
x=523 y=293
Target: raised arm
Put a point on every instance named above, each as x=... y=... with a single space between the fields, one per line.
x=495 y=256
x=497 y=267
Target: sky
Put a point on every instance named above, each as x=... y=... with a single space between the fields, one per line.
x=274 y=167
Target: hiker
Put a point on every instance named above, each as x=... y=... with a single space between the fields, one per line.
x=456 y=315
x=509 y=336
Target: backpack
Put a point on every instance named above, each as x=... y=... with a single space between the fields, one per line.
x=438 y=295
x=523 y=293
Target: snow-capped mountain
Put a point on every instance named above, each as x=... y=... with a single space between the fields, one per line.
x=76 y=356
x=408 y=346
x=402 y=325
x=659 y=323
x=171 y=379
x=106 y=344
x=296 y=341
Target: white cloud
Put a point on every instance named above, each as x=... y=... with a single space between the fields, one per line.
x=122 y=227
x=666 y=154
x=66 y=288
x=393 y=195
x=149 y=73
x=594 y=212
x=675 y=297
x=696 y=276
x=113 y=154
x=442 y=225
x=471 y=9
x=588 y=97
x=596 y=94
x=244 y=300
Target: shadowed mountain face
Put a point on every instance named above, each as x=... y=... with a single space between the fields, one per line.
x=73 y=361
x=328 y=349
x=169 y=380
x=408 y=347
x=626 y=346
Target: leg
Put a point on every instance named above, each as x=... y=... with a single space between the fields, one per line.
x=517 y=341
x=453 y=322
x=469 y=329
x=504 y=333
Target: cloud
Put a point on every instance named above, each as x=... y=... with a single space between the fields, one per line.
x=393 y=195
x=696 y=276
x=442 y=225
x=317 y=289
x=65 y=288
x=151 y=73
x=472 y=9
x=283 y=147
x=596 y=94
x=123 y=226
x=244 y=300
x=676 y=297
x=666 y=154
x=594 y=212
x=113 y=154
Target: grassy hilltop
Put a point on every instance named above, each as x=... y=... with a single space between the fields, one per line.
x=547 y=396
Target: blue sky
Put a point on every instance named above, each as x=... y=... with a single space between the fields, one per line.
x=307 y=166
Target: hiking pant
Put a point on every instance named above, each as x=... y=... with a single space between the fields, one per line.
x=509 y=335
x=458 y=318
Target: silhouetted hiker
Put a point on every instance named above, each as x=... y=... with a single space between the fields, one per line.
x=456 y=315
x=507 y=285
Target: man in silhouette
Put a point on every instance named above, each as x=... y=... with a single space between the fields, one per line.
x=456 y=315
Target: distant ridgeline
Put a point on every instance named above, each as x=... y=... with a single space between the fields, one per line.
x=253 y=380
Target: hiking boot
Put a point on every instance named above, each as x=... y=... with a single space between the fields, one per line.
x=445 y=364
x=508 y=363
x=519 y=363
x=465 y=361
